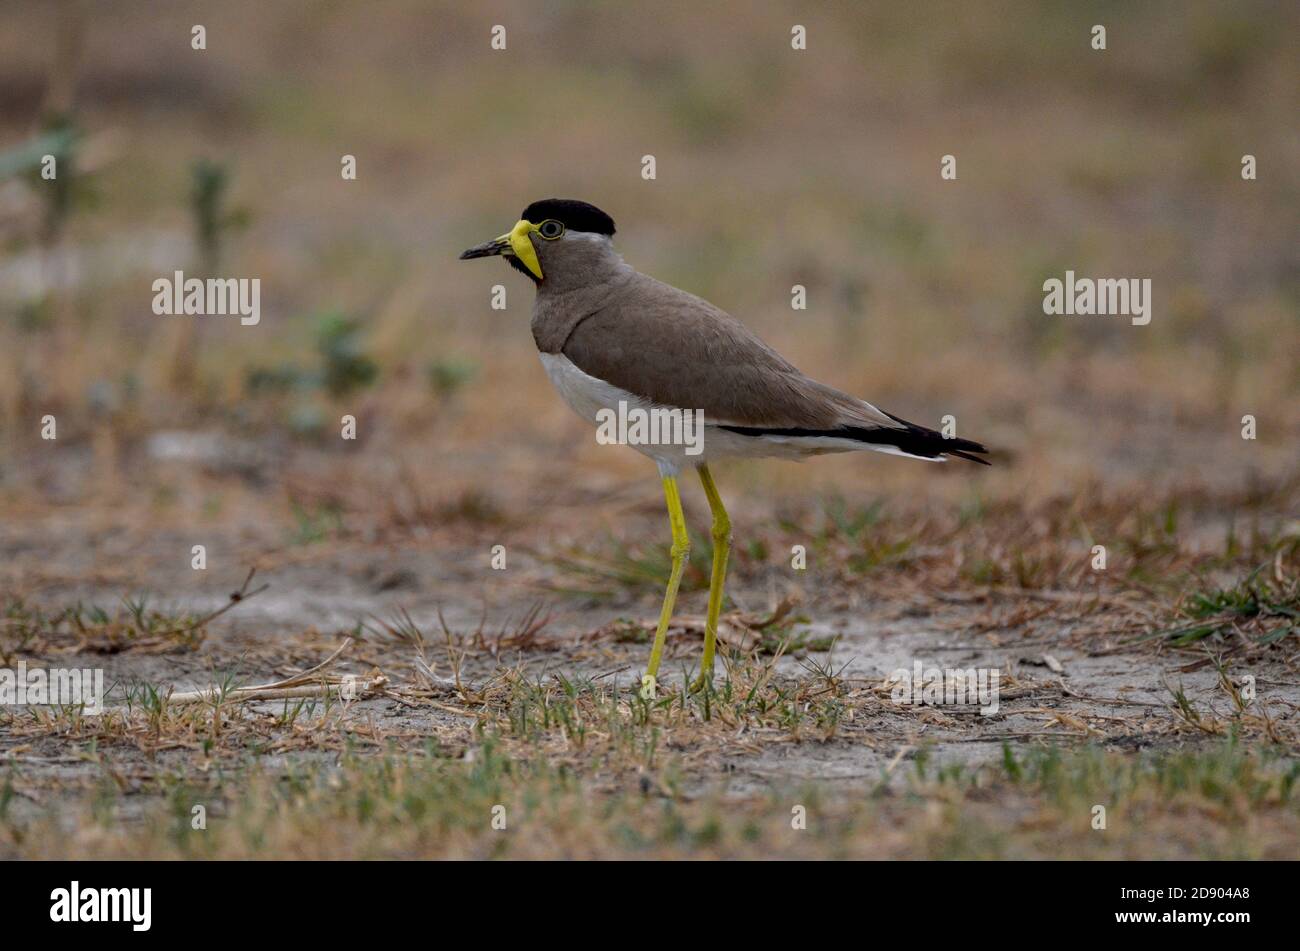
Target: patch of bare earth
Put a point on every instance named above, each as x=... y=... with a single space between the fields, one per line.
x=444 y=662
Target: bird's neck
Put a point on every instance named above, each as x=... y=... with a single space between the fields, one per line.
x=561 y=305
x=581 y=265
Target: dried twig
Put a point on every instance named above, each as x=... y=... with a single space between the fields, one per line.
x=313 y=682
x=236 y=597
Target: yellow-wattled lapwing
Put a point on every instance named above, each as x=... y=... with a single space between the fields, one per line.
x=613 y=340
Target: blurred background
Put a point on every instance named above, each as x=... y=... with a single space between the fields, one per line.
x=775 y=167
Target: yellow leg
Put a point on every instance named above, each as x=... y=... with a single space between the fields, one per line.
x=680 y=551
x=721 y=548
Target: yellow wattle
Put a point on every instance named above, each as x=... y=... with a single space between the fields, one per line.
x=522 y=245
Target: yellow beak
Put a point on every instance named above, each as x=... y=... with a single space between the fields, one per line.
x=516 y=242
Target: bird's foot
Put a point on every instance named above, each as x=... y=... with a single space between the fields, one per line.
x=705 y=679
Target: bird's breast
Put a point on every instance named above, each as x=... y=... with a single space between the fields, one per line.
x=585 y=394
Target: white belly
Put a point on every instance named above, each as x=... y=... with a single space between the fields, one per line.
x=588 y=397
x=585 y=394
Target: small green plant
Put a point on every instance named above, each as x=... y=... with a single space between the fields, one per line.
x=62 y=138
x=343 y=369
x=447 y=376
x=315 y=524
x=209 y=183
x=1262 y=605
x=345 y=365
x=135 y=625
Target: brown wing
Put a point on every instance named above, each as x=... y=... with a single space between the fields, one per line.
x=675 y=349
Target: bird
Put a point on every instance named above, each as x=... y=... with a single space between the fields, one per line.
x=614 y=340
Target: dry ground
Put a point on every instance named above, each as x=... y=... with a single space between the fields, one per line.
x=1119 y=687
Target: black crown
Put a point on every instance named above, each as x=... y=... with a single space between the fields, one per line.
x=574 y=215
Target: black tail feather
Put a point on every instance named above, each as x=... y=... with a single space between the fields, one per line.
x=938 y=443
x=910 y=438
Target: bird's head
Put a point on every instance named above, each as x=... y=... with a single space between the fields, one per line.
x=552 y=235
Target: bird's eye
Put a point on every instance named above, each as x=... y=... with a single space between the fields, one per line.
x=551 y=229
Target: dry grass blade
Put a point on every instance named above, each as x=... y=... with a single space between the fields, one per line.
x=313 y=682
